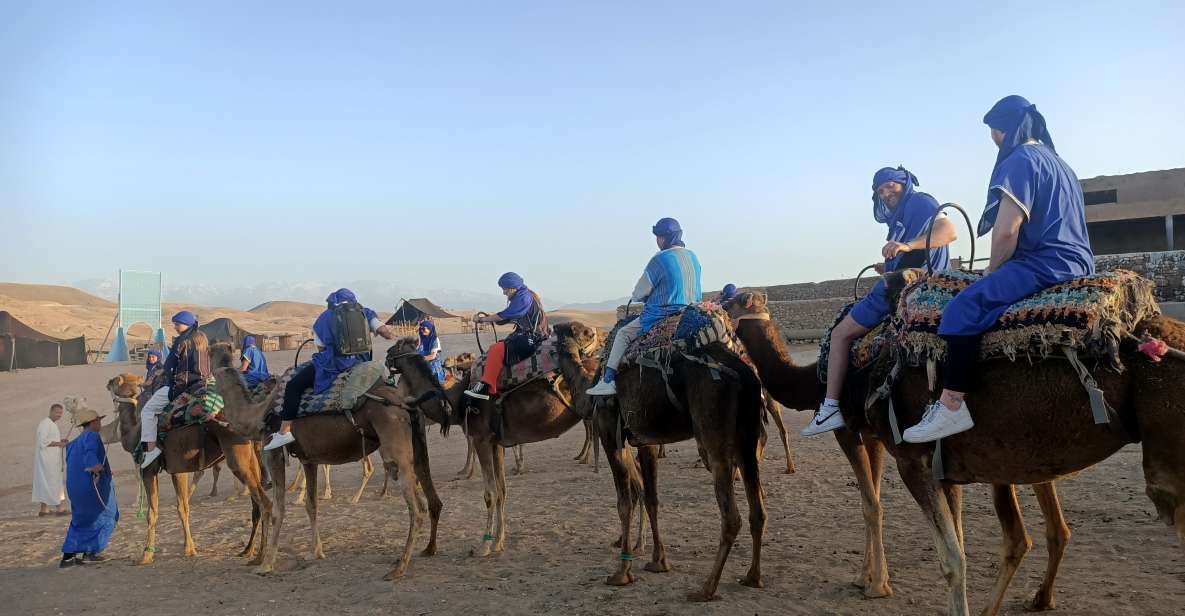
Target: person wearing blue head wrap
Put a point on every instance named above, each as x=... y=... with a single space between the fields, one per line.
x=431 y=350
x=254 y=364
x=907 y=213
x=152 y=363
x=669 y=284
x=525 y=310
x=185 y=371
x=1037 y=218
x=326 y=365
x=729 y=292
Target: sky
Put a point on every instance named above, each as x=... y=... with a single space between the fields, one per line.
x=437 y=145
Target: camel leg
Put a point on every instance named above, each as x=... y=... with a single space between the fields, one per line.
x=500 y=496
x=214 y=487
x=181 y=487
x=648 y=463
x=244 y=489
x=586 y=448
x=621 y=465
x=367 y=471
x=470 y=460
x=197 y=478
x=244 y=467
x=775 y=412
x=751 y=473
x=328 y=493
x=152 y=496
x=928 y=493
x=310 y=507
x=954 y=500
x=423 y=469
x=1016 y=543
x=662 y=451
x=1057 y=536
x=407 y=483
x=297 y=480
x=277 y=467
x=520 y=460
x=386 y=481
x=867 y=461
x=730 y=523
x=485 y=458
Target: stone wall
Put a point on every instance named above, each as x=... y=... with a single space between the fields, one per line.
x=1166 y=269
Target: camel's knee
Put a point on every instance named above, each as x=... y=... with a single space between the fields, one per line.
x=731 y=527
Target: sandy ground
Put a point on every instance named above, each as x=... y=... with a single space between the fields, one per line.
x=562 y=520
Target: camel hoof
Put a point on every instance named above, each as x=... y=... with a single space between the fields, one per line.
x=146 y=559
x=790 y=470
x=395 y=573
x=1040 y=604
x=191 y=552
x=245 y=552
x=877 y=592
x=254 y=562
x=263 y=570
x=620 y=579
x=751 y=581
x=700 y=596
x=617 y=544
x=659 y=566
x=480 y=552
x=429 y=551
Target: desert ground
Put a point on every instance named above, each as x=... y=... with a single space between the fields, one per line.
x=562 y=521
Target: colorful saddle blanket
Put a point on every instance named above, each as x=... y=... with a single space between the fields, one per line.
x=345 y=393
x=200 y=406
x=696 y=327
x=1090 y=314
x=864 y=349
x=543 y=363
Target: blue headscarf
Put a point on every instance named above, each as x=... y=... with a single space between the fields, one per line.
x=185 y=317
x=159 y=357
x=670 y=232
x=882 y=212
x=729 y=292
x=427 y=342
x=511 y=280
x=339 y=296
x=248 y=341
x=1020 y=121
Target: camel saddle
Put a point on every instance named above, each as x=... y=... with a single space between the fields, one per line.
x=864 y=350
x=695 y=327
x=544 y=363
x=192 y=407
x=1088 y=316
x=345 y=394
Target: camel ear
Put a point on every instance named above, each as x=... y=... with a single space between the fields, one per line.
x=562 y=330
x=119 y=380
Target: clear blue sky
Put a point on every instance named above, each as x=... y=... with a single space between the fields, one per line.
x=441 y=144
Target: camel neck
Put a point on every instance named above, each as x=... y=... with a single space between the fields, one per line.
x=794 y=386
x=129 y=426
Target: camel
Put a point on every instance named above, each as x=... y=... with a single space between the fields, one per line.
x=186 y=450
x=458 y=369
x=533 y=412
x=298 y=482
x=392 y=426
x=711 y=396
x=1062 y=441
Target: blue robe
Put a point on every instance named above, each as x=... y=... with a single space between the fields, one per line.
x=674 y=276
x=1053 y=246
x=256 y=366
x=328 y=364
x=92 y=520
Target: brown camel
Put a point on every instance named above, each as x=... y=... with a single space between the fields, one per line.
x=392 y=426
x=298 y=483
x=1060 y=439
x=533 y=412
x=717 y=401
x=458 y=369
x=186 y=450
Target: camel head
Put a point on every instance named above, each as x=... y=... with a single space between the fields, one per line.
x=221 y=355
x=746 y=303
x=404 y=358
x=125 y=386
x=900 y=280
x=580 y=344
x=461 y=363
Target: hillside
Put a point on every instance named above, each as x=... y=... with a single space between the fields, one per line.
x=51 y=294
x=284 y=308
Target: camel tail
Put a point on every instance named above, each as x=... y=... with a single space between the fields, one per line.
x=419 y=444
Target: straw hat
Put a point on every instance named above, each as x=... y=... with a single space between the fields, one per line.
x=87 y=415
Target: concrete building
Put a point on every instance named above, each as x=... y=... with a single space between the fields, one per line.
x=1137 y=212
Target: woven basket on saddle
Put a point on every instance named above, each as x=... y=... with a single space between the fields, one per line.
x=1086 y=317
x=697 y=327
x=865 y=349
x=345 y=394
x=544 y=364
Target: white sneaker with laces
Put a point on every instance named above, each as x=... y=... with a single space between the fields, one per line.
x=826 y=419
x=150 y=456
x=939 y=422
x=279 y=440
x=603 y=388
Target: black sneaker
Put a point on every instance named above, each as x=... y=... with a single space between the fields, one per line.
x=72 y=561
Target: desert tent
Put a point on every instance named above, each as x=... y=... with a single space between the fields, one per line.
x=418 y=309
x=22 y=346
x=224 y=330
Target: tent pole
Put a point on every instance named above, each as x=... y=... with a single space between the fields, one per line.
x=108 y=334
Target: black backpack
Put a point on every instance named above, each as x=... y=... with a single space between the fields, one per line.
x=351 y=329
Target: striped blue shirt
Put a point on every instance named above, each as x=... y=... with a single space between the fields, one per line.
x=670 y=283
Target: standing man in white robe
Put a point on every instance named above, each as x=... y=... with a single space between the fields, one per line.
x=48 y=489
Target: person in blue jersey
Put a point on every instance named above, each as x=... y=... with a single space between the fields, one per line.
x=186 y=369
x=729 y=292
x=94 y=511
x=670 y=283
x=327 y=363
x=525 y=310
x=431 y=350
x=254 y=364
x=907 y=213
x=1037 y=218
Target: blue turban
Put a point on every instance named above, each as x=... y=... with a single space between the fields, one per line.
x=881 y=212
x=1020 y=121
x=248 y=341
x=153 y=353
x=670 y=232
x=339 y=296
x=185 y=317
x=729 y=292
x=427 y=342
x=511 y=280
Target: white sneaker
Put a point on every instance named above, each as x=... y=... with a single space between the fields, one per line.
x=478 y=392
x=939 y=422
x=826 y=419
x=603 y=388
x=279 y=440
x=150 y=456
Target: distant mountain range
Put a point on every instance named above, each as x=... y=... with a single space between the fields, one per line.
x=610 y=304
